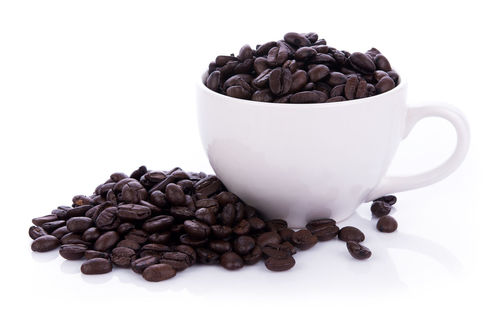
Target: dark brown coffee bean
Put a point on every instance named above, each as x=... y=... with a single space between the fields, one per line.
x=206 y=256
x=243 y=244
x=350 y=233
x=220 y=246
x=181 y=212
x=106 y=241
x=122 y=256
x=380 y=208
x=228 y=214
x=277 y=250
x=279 y=264
x=178 y=260
x=78 y=224
x=358 y=251
x=96 y=266
x=284 y=51
x=263 y=96
x=394 y=76
x=304 y=239
x=91 y=254
x=158 y=272
x=337 y=90
x=231 y=261
x=337 y=78
x=241 y=228
x=382 y=63
x=324 y=229
x=174 y=194
x=361 y=62
x=268 y=238
x=158 y=223
x=221 y=232
x=264 y=48
x=36 y=232
x=385 y=84
x=221 y=60
x=305 y=53
x=256 y=224
x=362 y=89
x=276 y=224
x=91 y=234
x=242 y=80
x=153 y=250
x=280 y=81
x=283 y=99
x=305 y=97
x=107 y=219
x=299 y=80
x=53 y=225
x=350 y=87
x=125 y=228
x=312 y=37
x=318 y=72
x=196 y=229
x=189 y=251
x=45 y=243
x=188 y=240
x=207 y=186
x=206 y=216
x=321 y=48
x=387 y=224
x=72 y=251
x=260 y=65
x=286 y=234
x=138 y=173
x=379 y=74
x=297 y=39
x=129 y=244
x=262 y=80
x=389 y=199
x=160 y=237
x=254 y=256
x=72 y=238
x=133 y=192
x=140 y=264
x=133 y=212
x=335 y=99
x=246 y=52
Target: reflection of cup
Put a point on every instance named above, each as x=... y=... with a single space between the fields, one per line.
x=304 y=161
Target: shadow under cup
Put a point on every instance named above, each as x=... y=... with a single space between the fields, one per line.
x=301 y=161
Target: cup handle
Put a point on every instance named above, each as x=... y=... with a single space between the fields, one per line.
x=393 y=184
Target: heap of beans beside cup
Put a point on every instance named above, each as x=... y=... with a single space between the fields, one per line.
x=300 y=69
x=159 y=223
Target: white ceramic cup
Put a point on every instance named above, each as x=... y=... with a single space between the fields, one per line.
x=305 y=161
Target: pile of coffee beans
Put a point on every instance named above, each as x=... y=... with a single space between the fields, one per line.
x=159 y=223
x=300 y=69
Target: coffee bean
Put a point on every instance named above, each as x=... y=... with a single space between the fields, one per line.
x=304 y=239
x=305 y=97
x=107 y=219
x=279 y=264
x=277 y=250
x=78 y=224
x=133 y=212
x=318 y=72
x=337 y=78
x=72 y=238
x=207 y=186
x=286 y=234
x=350 y=87
x=129 y=244
x=387 y=224
x=380 y=208
x=362 y=89
x=324 y=229
x=191 y=241
x=335 y=99
x=254 y=256
x=221 y=232
x=178 y=260
x=228 y=214
x=299 y=80
x=72 y=251
x=350 y=233
x=196 y=229
x=297 y=39
x=264 y=48
x=125 y=228
x=106 y=241
x=140 y=264
x=53 y=225
x=206 y=256
x=280 y=81
x=91 y=254
x=358 y=251
x=36 y=232
x=158 y=223
x=361 y=62
x=305 y=53
x=382 y=63
x=122 y=256
x=243 y=244
x=231 y=261
x=45 y=243
x=385 y=84
x=256 y=224
x=389 y=199
x=96 y=266
x=241 y=228
x=394 y=76
x=268 y=238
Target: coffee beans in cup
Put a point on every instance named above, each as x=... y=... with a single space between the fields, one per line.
x=300 y=68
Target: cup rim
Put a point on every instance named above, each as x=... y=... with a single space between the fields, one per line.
x=401 y=85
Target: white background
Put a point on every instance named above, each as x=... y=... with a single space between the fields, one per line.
x=92 y=87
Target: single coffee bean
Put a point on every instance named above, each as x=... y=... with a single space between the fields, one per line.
x=387 y=224
x=263 y=95
x=207 y=186
x=191 y=241
x=140 y=264
x=96 y=266
x=133 y=192
x=312 y=37
x=320 y=223
x=254 y=256
x=158 y=223
x=279 y=264
x=277 y=250
x=337 y=78
x=158 y=272
x=299 y=80
x=79 y=224
x=304 y=239
x=394 y=76
x=221 y=232
x=91 y=254
x=220 y=246
x=260 y=64
x=122 y=256
x=45 y=243
x=380 y=208
x=362 y=89
x=228 y=214
x=305 y=97
x=385 y=84
x=335 y=99
x=106 y=241
x=389 y=199
x=125 y=228
x=72 y=238
x=382 y=63
x=318 y=72
x=241 y=228
x=286 y=234
x=268 y=238
x=305 y=53
x=361 y=62
x=196 y=229
x=53 y=225
x=350 y=87
x=243 y=244
x=297 y=39
x=206 y=256
x=129 y=244
x=246 y=52
x=82 y=200
x=36 y=232
x=178 y=260
x=350 y=233
x=72 y=251
x=133 y=212
x=138 y=173
x=256 y=224
x=280 y=81
x=108 y=219
x=231 y=261
x=189 y=251
x=358 y=251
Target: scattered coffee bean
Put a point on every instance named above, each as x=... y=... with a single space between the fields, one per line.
x=45 y=243
x=349 y=233
x=231 y=261
x=158 y=272
x=387 y=224
x=304 y=239
x=389 y=199
x=357 y=250
x=380 y=208
x=36 y=232
x=279 y=264
x=96 y=266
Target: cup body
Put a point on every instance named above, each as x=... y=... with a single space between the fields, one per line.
x=301 y=161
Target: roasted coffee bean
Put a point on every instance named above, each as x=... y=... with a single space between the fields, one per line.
x=361 y=62
x=379 y=74
x=254 y=256
x=196 y=229
x=178 y=260
x=125 y=228
x=188 y=250
x=324 y=229
x=264 y=48
x=133 y=192
x=263 y=96
x=389 y=199
x=138 y=173
x=387 y=224
x=260 y=64
x=160 y=237
x=276 y=224
x=286 y=234
x=228 y=214
x=52 y=225
x=241 y=228
x=318 y=72
x=358 y=251
x=280 y=81
x=206 y=256
x=243 y=244
x=129 y=244
x=78 y=224
x=90 y=254
x=139 y=236
x=350 y=233
x=140 y=264
x=106 y=241
x=108 y=219
x=305 y=97
x=72 y=251
x=268 y=238
x=362 y=89
x=350 y=87
x=297 y=39
x=220 y=246
x=158 y=272
x=256 y=224
x=279 y=264
x=380 y=208
x=382 y=63
x=91 y=234
x=133 y=212
x=231 y=261
x=337 y=78
x=189 y=240
x=385 y=84
x=96 y=266
x=335 y=99
x=305 y=53
x=394 y=76
x=153 y=250
x=158 y=223
x=277 y=250
x=36 y=232
x=181 y=212
x=45 y=243
x=299 y=80
x=72 y=238
x=206 y=216
x=221 y=232
x=207 y=186
x=122 y=256
x=304 y=239
x=82 y=200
